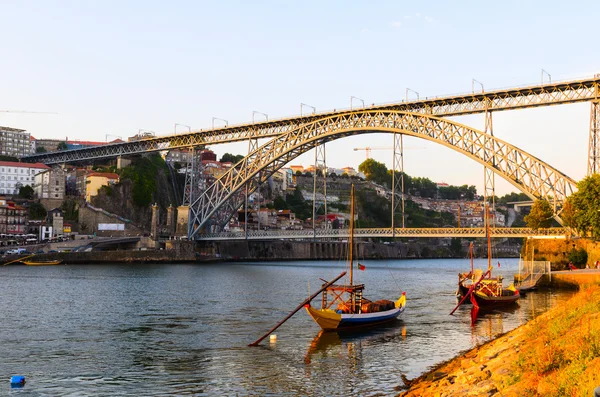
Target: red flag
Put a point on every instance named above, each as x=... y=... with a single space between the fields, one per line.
x=361 y=267
x=498 y=264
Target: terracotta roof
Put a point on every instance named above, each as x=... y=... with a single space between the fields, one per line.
x=108 y=175
x=24 y=165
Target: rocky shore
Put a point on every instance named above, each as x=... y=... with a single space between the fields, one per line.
x=556 y=354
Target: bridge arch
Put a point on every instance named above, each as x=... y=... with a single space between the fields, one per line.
x=527 y=173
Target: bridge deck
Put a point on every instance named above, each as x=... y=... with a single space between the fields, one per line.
x=305 y=234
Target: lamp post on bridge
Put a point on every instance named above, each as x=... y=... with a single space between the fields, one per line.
x=308 y=106
x=413 y=91
x=473 y=85
x=357 y=98
x=257 y=112
x=547 y=74
x=223 y=120
x=181 y=125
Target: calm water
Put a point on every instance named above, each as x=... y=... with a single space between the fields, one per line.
x=163 y=330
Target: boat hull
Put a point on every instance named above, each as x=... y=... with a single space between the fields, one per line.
x=482 y=300
x=42 y=263
x=329 y=320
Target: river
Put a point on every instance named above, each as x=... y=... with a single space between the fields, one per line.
x=164 y=330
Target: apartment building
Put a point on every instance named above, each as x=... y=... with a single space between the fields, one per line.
x=14 y=142
x=13 y=175
x=50 y=184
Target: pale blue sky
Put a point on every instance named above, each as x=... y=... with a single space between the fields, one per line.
x=112 y=67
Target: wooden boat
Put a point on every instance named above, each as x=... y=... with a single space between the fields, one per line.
x=41 y=263
x=343 y=306
x=482 y=289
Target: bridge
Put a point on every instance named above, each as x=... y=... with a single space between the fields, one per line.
x=212 y=205
x=305 y=234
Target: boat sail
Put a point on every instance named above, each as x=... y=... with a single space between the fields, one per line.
x=343 y=306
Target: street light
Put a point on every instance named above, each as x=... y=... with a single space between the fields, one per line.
x=353 y=97
x=181 y=125
x=256 y=112
x=308 y=106
x=408 y=89
x=549 y=77
x=473 y=85
x=223 y=120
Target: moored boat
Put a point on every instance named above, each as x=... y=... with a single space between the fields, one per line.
x=41 y=263
x=343 y=306
x=493 y=295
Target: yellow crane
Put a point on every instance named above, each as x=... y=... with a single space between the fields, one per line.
x=369 y=148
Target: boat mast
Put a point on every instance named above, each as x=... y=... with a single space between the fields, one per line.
x=471 y=255
x=351 y=237
x=487 y=232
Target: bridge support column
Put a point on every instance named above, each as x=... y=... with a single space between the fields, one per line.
x=397 y=180
x=181 y=226
x=489 y=192
x=320 y=173
x=155 y=222
x=121 y=162
x=171 y=219
x=594 y=143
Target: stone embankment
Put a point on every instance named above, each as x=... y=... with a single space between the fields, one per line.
x=556 y=354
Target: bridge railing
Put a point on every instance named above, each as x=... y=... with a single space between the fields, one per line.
x=307 y=234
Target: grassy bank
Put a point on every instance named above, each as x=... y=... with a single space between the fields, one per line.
x=556 y=354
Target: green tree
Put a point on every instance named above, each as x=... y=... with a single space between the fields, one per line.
x=62 y=146
x=582 y=209
x=26 y=192
x=456 y=246
x=375 y=171
x=579 y=257
x=540 y=215
x=231 y=158
x=37 y=211
x=9 y=158
x=40 y=149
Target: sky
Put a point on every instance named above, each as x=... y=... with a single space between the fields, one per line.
x=110 y=68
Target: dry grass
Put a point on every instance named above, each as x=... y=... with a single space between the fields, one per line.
x=564 y=358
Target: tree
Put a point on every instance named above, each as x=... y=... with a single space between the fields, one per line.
x=540 y=215
x=37 y=211
x=231 y=158
x=456 y=247
x=40 y=149
x=8 y=158
x=375 y=171
x=26 y=192
x=582 y=208
x=62 y=146
x=579 y=257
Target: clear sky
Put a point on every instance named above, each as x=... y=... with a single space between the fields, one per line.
x=109 y=68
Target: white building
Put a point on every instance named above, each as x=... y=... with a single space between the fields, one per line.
x=13 y=175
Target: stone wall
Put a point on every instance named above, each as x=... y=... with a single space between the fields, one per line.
x=91 y=219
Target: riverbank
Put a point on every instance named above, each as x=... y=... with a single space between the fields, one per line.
x=556 y=354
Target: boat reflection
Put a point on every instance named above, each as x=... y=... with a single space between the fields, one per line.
x=328 y=343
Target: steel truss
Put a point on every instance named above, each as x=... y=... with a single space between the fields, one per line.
x=535 y=178
x=508 y=99
x=557 y=232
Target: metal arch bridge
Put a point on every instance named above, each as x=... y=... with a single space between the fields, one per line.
x=306 y=234
x=556 y=93
x=219 y=202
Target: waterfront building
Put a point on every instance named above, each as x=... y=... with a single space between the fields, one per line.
x=14 y=142
x=50 y=184
x=56 y=220
x=13 y=175
x=13 y=219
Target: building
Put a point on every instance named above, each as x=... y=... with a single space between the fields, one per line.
x=56 y=220
x=90 y=182
x=50 y=184
x=49 y=145
x=13 y=175
x=13 y=218
x=72 y=145
x=14 y=142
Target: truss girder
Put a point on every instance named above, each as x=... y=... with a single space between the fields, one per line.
x=502 y=232
x=509 y=99
x=535 y=178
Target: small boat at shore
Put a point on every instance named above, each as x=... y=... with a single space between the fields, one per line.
x=41 y=263
x=493 y=295
x=343 y=306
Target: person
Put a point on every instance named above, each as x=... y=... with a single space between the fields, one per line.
x=598 y=265
x=571 y=266
x=587 y=265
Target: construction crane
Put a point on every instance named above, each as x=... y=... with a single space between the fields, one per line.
x=368 y=149
x=25 y=111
